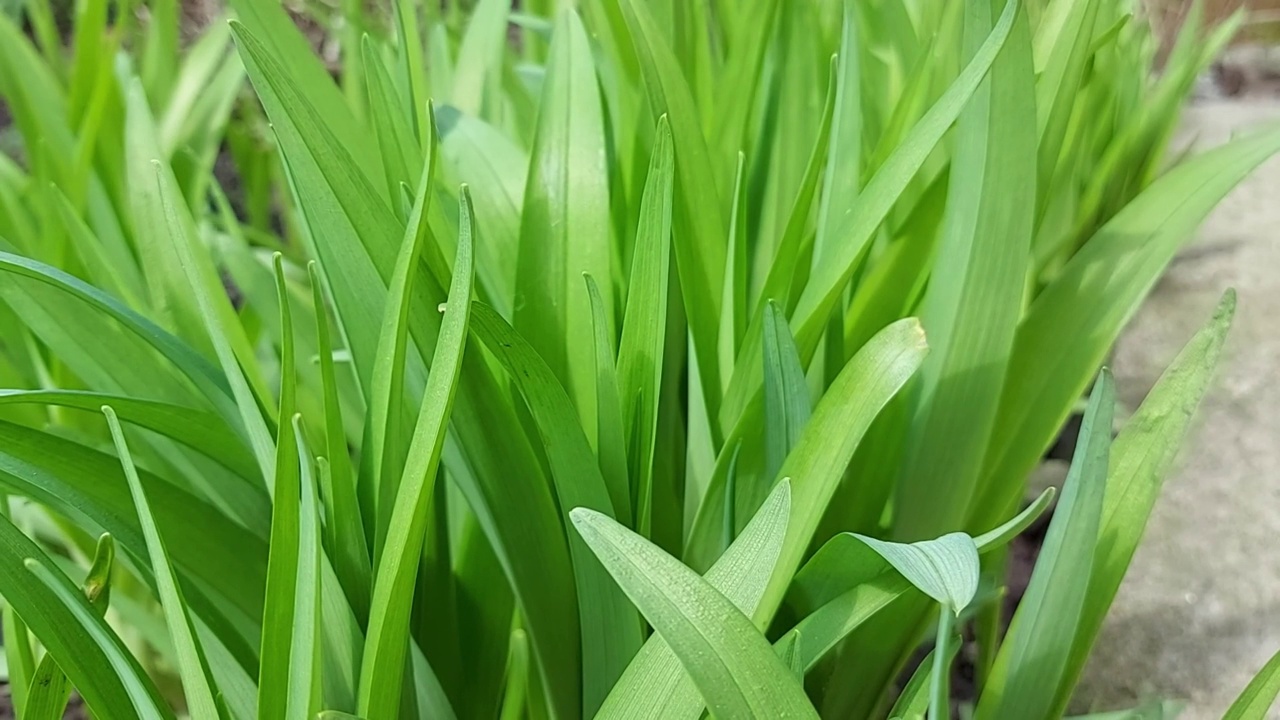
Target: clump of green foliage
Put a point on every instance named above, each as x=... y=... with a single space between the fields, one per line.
x=619 y=359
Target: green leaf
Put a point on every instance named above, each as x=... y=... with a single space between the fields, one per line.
x=392 y=125
x=190 y=656
x=974 y=300
x=496 y=169
x=847 y=583
x=565 y=228
x=842 y=176
x=212 y=307
x=276 y=697
x=479 y=62
x=386 y=644
x=644 y=325
x=817 y=464
x=700 y=242
x=610 y=441
x=19 y=659
x=349 y=226
x=517 y=685
x=1097 y=292
x=945 y=569
x=655 y=685
x=99 y=666
x=1037 y=648
x=1256 y=699
x=610 y=626
x=50 y=689
x=291 y=51
x=202 y=373
x=869 y=210
x=386 y=442
x=1142 y=455
x=732 y=664
x=913 y=701
x=305 y=645
x=193 y=427
x=786 y=393
x=225 y=562
x=345 y=542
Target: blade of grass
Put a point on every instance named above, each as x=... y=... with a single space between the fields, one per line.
x=786 y=394
x=305 y=645
x=610 y=626
x=1258 y=696
x=382 y=669
x=1096 y=294
x=1142 y=455
x=817 y=463
x=565 y=228
x=732 y=664
x=870 y=209
x=392 y=125
x=195 y=428
x=655 y=685
x=99 y=666
x=700 y=240
x=973 y=303
x=644 y=325
x=1036 y=650
x=348 y=545
x=610 y=441
x=190 y=656
x=387 y=443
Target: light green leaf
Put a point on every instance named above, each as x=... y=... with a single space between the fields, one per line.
x=945 y=569
x=202 y=373
x=817 y=463
x=195 y=428
x=786 y=393
x=517 y=685
x=479 y=62
x=565 y=228
x=1142 y=455
x=1097 y=292
x=276 y=697
x=386 y=644
x=610 y=626
x=305 y=643
x=99 y=666
x=215 y=314
x=700 y=242
x=292 y=51
x=974 y=300
x=870 y=209
x=345 y=542
x=1258 y=696
x=655 y=686
x=496 y=169
x=610 y=441
x=732 y=664
x=392 y=122
x=644 y=326
x=386 y=444
x=1037 y=648
x=914 y=699
x=190 y=656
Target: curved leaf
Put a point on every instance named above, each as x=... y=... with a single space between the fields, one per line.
x=732 y=664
